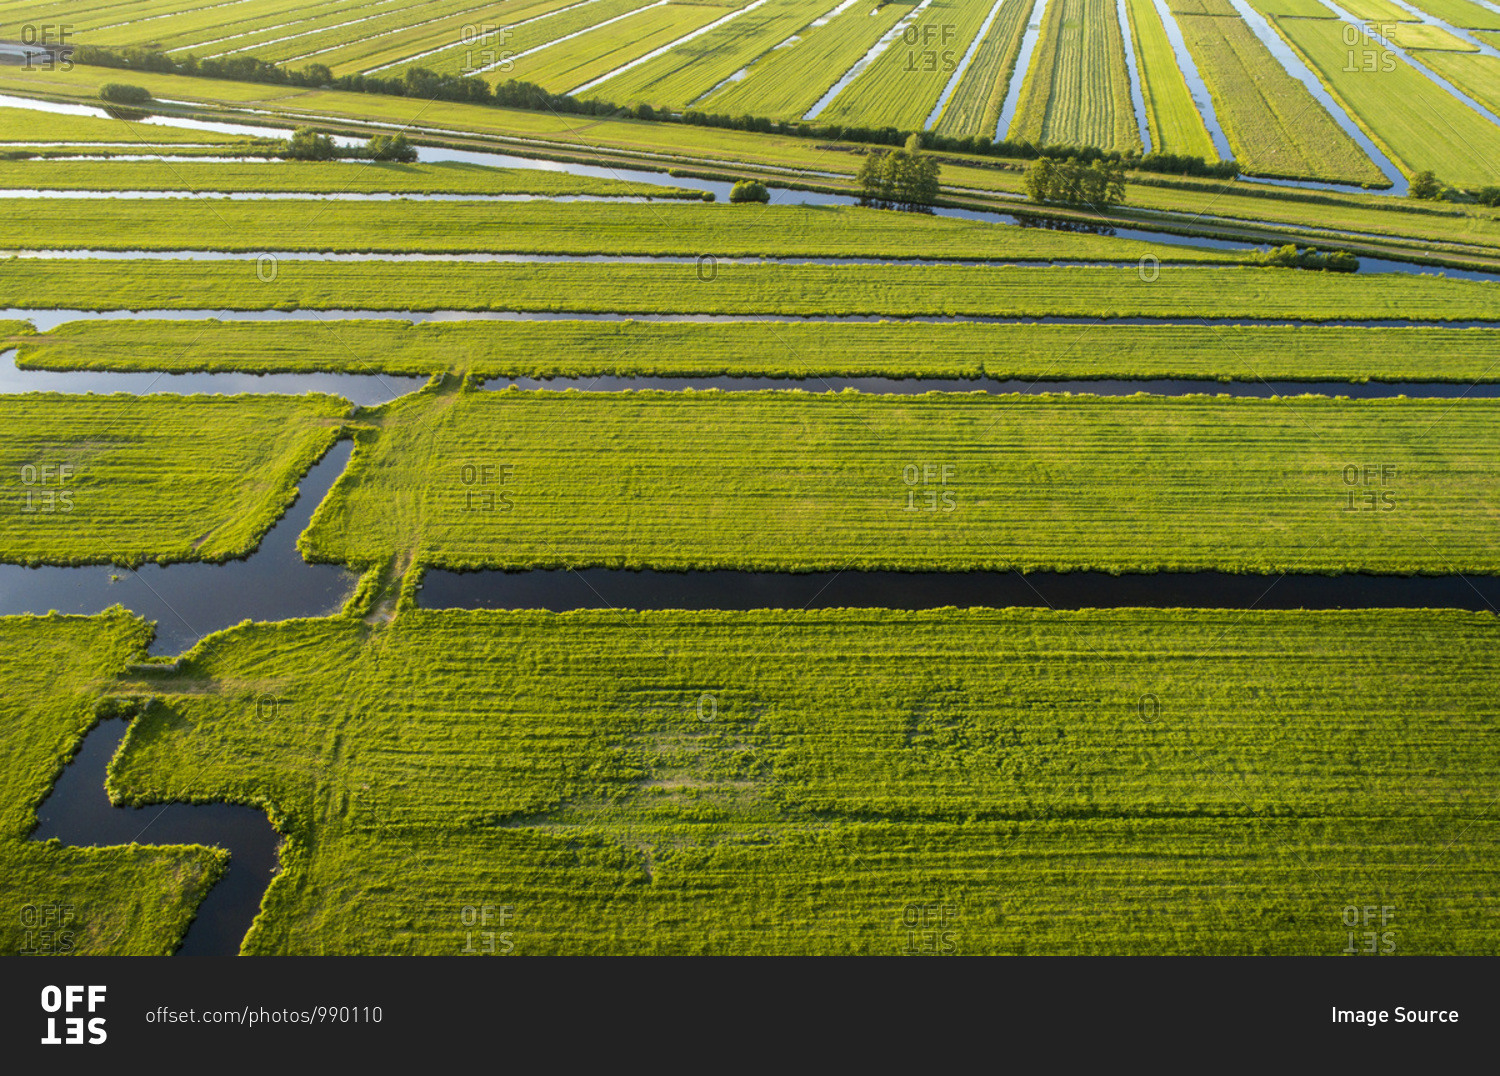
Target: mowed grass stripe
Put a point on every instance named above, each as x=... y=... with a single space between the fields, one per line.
x=768 y=349
x=448 y=177
x=904 y=83
x=984 y=759
x=679 y=77
x=823 y=482
x=793 y=290
x=1273 y=124
x=1176 y=125
x=541 y=227
x=1077 y=92
x=163 y=478
x=785 y=83
x=1430 y=131
x=567 y=65
x=1477 y=76
x=974 y=109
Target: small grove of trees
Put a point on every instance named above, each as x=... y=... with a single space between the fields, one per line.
x=1489 y=196
x=901 y=179
x=122 y=93
x=749 y=190
x=1293 y=257
x=306 y=144
x=1071 y=182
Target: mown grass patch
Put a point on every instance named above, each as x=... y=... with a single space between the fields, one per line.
x=127 y=479
x=761 y=349
x=945 y=482
x=1141 y=781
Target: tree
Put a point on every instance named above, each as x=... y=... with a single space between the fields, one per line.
x=900 y=179
x=1426 y=186
x=121 y=93
x=390 y=148
x=1071 y=182
x=748 y=190
x=307 y=145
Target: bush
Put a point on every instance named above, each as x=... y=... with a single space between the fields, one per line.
x=122 y=93
x=708 y=196
x=1489 y=196
x=1293 y=257
x=749 y=190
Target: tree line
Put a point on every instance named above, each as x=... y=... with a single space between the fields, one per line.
x=420 y=82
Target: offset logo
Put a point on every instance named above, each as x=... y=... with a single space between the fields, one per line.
x=75 y=1030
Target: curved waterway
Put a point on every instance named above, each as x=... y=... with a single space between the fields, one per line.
x=77 y=811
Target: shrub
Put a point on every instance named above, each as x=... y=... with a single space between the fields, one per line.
x=1293 y=257
x=307 y=145
x=1489 y=196
x=749 y=190
x=122 y=93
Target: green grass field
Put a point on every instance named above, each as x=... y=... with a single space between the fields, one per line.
x=823 y=482
x=31 y=126
x=974 y=108
x=127 y=899
x=786 y=83
x=324 y=178
x=1460 y=13
x=1302 y=9
x=785 y=349
x=797 y=782
x=567 y=65
x=903 y=85
x=681 y=76
x=793 y=290
x=1274 y=126
x=1416 y=35
x=541 y=227
x=1431 y=131
x=127 y=479
x=1477 y=76
x=1175 y=123
x=1380 y=11
x=1077 y=91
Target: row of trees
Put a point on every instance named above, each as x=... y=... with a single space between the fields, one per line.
x=1072 y=182
x=428 y=85
x=901 y=179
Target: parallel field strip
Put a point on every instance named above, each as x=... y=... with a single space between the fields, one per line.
x=974 y=108
x=1431 y=131
x=901 y=86
x=538 y=30
x=1176 y=125
x=564 y=348
x=685 y=74
x=799 y=290
x=1078 y=89
x=1274 y=125
x=1477 y=76
x=565 y=65
x=786 y=82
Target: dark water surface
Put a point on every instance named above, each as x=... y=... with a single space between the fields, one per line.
x=78 y=811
